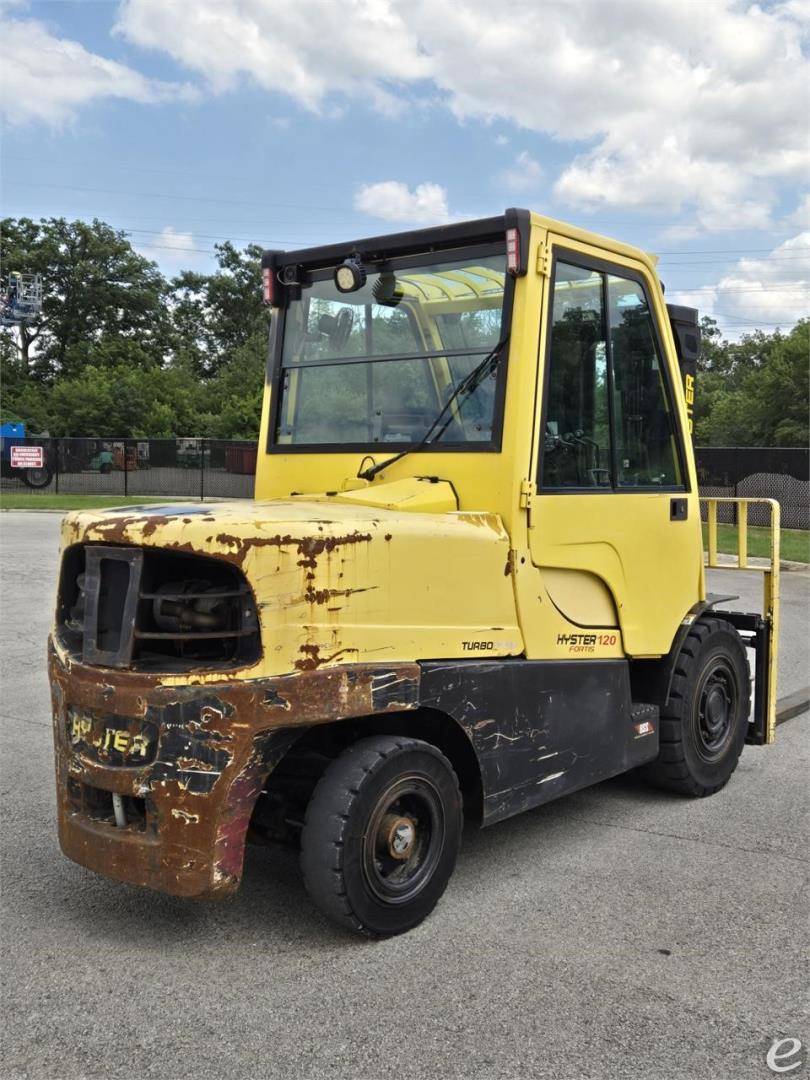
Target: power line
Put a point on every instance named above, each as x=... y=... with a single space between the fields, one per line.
x=167 y=195
x=332 y=224
x=725 y=262
x=252 y=240
x=591 y=226
x=735 y=288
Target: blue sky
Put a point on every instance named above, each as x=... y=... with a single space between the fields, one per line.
x=679 y=127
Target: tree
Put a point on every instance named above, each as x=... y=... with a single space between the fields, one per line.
x=215 y=315
x=126 y=401
x=96 y=289
x=119 y=352
x=754 y=392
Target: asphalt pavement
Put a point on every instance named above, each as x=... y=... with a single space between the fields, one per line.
x=618 y=932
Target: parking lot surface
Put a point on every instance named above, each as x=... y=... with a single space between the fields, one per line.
x=619 y=932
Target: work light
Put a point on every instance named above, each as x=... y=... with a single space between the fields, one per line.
x=350 y=276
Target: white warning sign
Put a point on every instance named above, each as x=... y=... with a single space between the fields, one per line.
x=27 y=457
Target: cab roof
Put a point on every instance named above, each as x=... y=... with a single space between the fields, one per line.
x=445 y=237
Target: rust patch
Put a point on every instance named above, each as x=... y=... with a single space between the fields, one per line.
x=216 y=742
x=510 y=563
x=116 y=530
x=308 y=547
x=312 y=658
x=188 y=764
x=323 y=596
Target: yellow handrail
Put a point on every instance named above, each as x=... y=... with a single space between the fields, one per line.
x=770 y=582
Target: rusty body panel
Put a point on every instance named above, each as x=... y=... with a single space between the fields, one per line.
x=338 y=582
x=347 y=597
x=197 y=756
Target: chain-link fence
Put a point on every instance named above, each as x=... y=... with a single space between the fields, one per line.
x=185 y=468
x=224 y=468
x=765 y=472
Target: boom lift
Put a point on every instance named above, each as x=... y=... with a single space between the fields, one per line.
x=22 y=301
x=471 y=582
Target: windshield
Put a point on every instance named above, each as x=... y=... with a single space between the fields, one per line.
x=375 y=366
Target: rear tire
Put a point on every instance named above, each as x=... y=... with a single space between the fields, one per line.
x=381 y=835
x=704 y=723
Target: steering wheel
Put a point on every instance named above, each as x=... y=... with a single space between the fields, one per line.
x=344 y=321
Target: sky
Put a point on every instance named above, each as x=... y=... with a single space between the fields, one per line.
x=677 y=125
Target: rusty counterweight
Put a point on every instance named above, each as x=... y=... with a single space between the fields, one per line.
x=191 y=760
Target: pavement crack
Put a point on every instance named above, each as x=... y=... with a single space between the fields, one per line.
x=693 y=839
x=25 y=720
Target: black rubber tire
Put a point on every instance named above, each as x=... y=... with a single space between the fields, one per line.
x=339 y=815
x=686 y=762
x=37 y=478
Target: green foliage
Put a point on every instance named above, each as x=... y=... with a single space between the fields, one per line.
x=754 y=392
x=121 y=351
x=217 y=314
x=100 y=401
x=96 y=290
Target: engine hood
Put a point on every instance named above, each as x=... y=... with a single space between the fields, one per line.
x=344 y=578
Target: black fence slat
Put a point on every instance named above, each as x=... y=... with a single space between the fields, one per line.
x=761 y=472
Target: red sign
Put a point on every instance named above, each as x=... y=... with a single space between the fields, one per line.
x=27 y=457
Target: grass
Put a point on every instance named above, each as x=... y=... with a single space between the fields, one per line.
x=23 y=501
x=795 y=544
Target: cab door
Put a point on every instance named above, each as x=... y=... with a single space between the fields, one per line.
x=614 y=528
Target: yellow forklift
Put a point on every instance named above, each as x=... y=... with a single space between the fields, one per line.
x=471 y=581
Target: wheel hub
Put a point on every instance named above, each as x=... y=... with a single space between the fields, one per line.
x=404 y=839
x=399 y=835
x=715 y=711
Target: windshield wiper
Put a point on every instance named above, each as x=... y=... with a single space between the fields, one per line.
x=468 y=385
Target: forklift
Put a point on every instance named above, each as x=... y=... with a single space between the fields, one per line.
x=471 y=581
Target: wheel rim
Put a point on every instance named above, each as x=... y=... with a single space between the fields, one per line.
x=715 y=710
x=404 y=840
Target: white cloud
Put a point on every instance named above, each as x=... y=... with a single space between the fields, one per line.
x=392 y=200
x=308 y=51
x=768 y=292
x=801 y=215
x=46 y=78
x=173 y=251
x=699 y=106
x=524 y=175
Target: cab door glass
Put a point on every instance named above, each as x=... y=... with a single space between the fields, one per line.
x=644 y=424
x=577 y=427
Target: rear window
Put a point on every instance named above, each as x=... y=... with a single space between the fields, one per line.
x=376 y=365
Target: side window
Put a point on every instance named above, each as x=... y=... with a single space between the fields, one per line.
x=609 y=421
x=644 y=425
x=577 y=428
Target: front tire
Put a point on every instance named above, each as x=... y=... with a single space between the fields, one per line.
x=381 y=835
x=704 y=723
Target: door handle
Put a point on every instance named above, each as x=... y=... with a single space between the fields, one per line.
x=678 y=509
